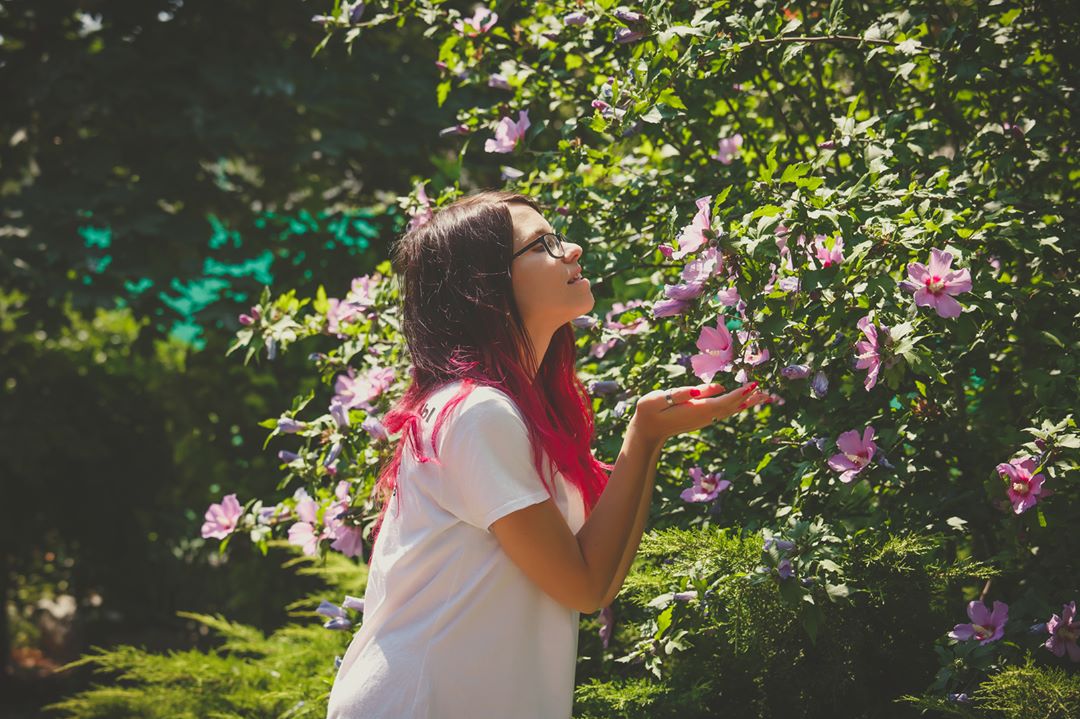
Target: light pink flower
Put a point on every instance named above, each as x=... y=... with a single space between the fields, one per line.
x=670 y=307
x=693 y=236
x=358 y=391
x=828 y=257
x=717 y=352
x=634 y=327
x=499 y=82
x=710 y=262
x=867 y=352
x=934 y=286
x=341 y=312
x=1064 y=631
x=423 y=215
x=728 y=149
x=729 y=297
x=221 y=518
x=481 y=21
x=1024 y=485
x=753 y=355
x=706 y=488
x=856 y=453
x=303 y=533
x=508 y=133
x=348 y=538
x=986 y=626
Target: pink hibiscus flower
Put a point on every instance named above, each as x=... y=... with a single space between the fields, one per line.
x=481 y=21
x=717 y=352
x=693 y=236
x=348 y=538
x=935 y=286
x=1064 y=631
x=856 y=453
x=358 y=391
x=303 y=533
x=986 y=626
x=508 y=133
x=728 y=149
x=867 y=352
x=1024 y=485
x=424 y=214
x=706 y=488
x=221 y=519
x=828 y=256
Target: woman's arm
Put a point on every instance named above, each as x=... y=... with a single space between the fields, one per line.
x=636 y=533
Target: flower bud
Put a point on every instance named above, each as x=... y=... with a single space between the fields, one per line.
x=575 y=18
x=287 y=425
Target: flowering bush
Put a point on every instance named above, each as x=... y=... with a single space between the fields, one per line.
x=694 y=149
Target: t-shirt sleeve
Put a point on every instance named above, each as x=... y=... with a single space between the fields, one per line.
x=487 y=463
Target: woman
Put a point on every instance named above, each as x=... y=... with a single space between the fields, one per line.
x=489 y=553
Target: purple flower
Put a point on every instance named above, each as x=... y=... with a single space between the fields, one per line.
x=728 y=149
x=783 y=545
x=332 y=456
x=354 y=603
x=856 y=453
x=508 y=133
x=1024 y=485
x=603 y=387
x=684 y=291
x=986 y=626
x=628 y=16
x=340 y=413
x=1064 y=631
x=499 y=82
x=246 y=319
x=575 y=18
x=819 y=385
x=221 y=519
x=706 y=486
x=607 y=624
x=338 y=623
x=784 y=570
x=827 y=145
x=960 y=698
x=585 y=322
x=355 y=12
x=374 y=427
x=287 y=456
x=935 y=286
x=331 y=611
x=795 y=371
x=454 y=130
x=288 y=425
x=670 y=308
x=626 y=35
x=685 y=596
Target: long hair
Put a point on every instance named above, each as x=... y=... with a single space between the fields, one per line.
x=461 y=322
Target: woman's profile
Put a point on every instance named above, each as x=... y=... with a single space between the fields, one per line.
x=498 y=527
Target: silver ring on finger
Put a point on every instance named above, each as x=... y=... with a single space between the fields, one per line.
x=669 y=398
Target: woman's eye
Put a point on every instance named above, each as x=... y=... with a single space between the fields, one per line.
x=538 y=248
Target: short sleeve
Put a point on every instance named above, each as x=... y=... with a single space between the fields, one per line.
x=487 y=462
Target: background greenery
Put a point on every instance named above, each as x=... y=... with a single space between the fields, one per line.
x=895 y=126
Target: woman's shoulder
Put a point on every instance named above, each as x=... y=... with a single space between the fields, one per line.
x=483 y=402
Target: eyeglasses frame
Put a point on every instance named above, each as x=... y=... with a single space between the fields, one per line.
x=561 y=239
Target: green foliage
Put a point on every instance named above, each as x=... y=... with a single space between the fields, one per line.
x=287 y=673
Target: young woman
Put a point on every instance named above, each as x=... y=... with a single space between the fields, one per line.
x=502 y=526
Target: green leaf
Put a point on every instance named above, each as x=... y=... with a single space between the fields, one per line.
x=441 y=92
x=663 y=621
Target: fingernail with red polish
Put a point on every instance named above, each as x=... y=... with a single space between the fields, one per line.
x=742 y=406
x=695 y=392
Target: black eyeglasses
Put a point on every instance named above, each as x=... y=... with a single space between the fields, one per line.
x=553 y=243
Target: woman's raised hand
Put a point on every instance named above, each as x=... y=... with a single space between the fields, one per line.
x=691 y=407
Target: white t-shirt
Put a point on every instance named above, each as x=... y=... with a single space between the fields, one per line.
x=452 y=627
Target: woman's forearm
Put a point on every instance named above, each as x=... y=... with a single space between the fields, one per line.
x=635 y=535
x=617 y=521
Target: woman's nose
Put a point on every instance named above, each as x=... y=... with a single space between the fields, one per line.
x=572 y=252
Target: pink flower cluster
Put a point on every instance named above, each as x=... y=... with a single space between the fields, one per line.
x=706 y=487
x=1024 y=484
x=307 y=532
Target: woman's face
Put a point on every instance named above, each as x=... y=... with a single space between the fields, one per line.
x=544 y=299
